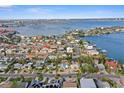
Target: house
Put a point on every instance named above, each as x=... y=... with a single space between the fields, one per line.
x=69 y=50
x=101 y=67
x=7 y=84
x=61 y=49
x=77 y=40
x=96 y=61
x=69 y=84
x=17 y=66
x=75 y=67
x=112 y=64
x=58 y=42
x=40 y=62
x=64 y=66
x=92 y=52
x=52 y=57
x=28 y=65
x=64 y=55
x=87 y=83
x=4 y=59
x=87 y=46
x=106 y=85
x=3 y=67
x=75 y=56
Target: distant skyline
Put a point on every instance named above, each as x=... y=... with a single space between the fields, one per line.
x=61 y=11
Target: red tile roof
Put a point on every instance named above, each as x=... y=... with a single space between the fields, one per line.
x=112 y=64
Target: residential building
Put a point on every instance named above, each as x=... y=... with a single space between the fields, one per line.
x=87 y=83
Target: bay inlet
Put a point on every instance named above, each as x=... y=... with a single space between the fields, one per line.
x=113 y=43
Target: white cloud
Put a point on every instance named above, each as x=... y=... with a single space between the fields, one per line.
x=5 y=6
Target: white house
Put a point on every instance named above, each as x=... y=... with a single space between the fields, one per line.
x=3 y=67
x=92 y=52
x=69 y=50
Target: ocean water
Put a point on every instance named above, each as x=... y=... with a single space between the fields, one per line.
x=58 y=28
x=113 y=43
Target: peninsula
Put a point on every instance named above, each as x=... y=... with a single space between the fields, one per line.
x=99 y=31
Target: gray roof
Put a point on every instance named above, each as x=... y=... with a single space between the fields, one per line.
x=101 y=66
x=87 y=83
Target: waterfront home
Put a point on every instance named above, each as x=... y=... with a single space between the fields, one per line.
x=87 y=83
x=92 y=52
x=112 y=64
x=87 y=46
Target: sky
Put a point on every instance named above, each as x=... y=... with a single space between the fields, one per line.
x=61 y=11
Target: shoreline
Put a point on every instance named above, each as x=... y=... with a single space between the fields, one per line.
x=77 y=33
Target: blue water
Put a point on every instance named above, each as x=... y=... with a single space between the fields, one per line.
x=113 y=43
x=61 y=27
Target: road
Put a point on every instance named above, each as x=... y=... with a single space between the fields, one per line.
x=34 y=75
x=63 y=75
x=100 y=76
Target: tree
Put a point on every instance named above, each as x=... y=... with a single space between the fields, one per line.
x=23 y=79
x=78 y=79
x=81 y=42
x=112 y=83
x=86 y=59
x=40 y=77
x=102 y=58
x=69 y=58
x=14 y=84
x=22 y=61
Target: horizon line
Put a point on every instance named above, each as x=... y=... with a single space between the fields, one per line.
x=60 y=18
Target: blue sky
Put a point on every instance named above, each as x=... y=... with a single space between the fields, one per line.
x=60 y=11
